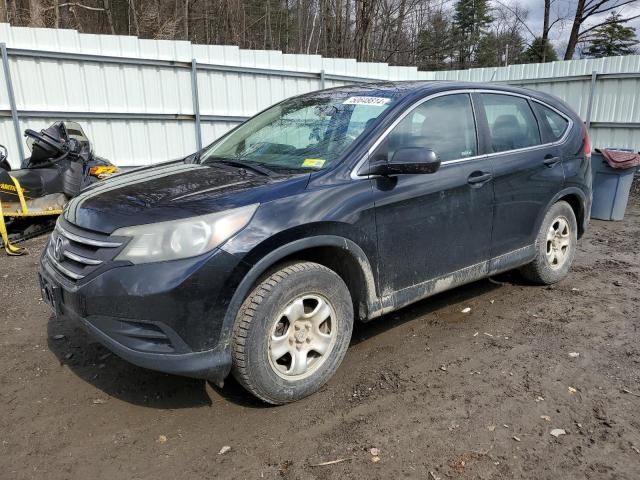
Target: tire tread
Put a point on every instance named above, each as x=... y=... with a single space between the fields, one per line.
x=537 y=271
x=246 y=316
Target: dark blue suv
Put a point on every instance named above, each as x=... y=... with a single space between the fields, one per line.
x=255 y=255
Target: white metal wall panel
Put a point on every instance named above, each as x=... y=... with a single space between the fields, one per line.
x=617 y=101
x=8 y=139
x=7 y=134
x=614 y=137
x=72 y=86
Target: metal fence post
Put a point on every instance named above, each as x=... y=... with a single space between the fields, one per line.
x=592 y=92
x=12 y=100
x=196 y=102
x=322 y=79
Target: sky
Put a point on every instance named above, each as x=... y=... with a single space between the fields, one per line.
x=560 y=33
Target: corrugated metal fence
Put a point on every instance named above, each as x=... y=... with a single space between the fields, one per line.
x=145 y=101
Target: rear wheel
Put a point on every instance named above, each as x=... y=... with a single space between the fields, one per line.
x=555 y=246
x=292 y=332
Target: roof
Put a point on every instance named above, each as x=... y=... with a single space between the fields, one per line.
x=428 y=86
x=408 y=90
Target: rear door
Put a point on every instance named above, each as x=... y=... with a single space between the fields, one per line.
x=526 y=167
x=430 y=225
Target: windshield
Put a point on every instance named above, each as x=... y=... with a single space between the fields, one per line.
x=308 y=132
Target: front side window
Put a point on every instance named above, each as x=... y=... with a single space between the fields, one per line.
x=307 y=132
x=512 y=124
x=444 y=124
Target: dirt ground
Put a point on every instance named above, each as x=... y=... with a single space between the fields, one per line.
x=440 y=393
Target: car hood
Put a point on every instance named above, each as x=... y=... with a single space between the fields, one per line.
x=172 y=191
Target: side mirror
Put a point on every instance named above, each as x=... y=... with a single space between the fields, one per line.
x=410 y=160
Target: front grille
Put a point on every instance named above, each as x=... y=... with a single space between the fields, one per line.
x=76 y=253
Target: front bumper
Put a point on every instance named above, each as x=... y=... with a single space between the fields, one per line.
x=165 y=316
x=212 y=365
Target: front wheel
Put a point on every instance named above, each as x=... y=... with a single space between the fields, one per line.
x=556 y=245
x=292 y=332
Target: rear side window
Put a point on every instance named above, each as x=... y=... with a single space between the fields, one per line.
x=512 y=124
x=444 y=124
x=553 y=125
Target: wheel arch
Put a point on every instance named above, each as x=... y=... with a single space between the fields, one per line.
x=577 y=200
x=577 y=204
x=339 y=254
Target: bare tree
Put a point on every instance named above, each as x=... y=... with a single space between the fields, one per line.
x=107 y=9
x=365 y=10
x=400 y=32
x=586 y=10
x=36 y=14
x=134 y=14
x=186 y=18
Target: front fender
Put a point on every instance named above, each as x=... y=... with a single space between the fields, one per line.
x=267 y=261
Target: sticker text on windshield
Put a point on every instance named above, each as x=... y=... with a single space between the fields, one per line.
x=374 y=101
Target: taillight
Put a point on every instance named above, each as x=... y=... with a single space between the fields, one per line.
x=586 y=145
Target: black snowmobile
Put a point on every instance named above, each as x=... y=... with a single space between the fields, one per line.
x=60 y=166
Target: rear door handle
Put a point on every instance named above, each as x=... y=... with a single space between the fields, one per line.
x=477 y=179
x=550 y=160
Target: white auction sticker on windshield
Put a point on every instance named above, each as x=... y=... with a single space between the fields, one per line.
x=374 y=101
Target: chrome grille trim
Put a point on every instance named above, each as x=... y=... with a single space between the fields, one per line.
x=77 y=254
x=85 y=240
x=62 y=269
x=81 y=259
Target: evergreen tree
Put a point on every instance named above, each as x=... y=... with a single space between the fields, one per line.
x=612 y=39
x=499 y=49
x=471 y=19
x=540 y=51
x=435 y=42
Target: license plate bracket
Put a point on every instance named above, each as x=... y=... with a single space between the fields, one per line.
x=50 y=294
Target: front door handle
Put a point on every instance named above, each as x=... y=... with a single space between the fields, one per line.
x=551 y=160
x=477 y=179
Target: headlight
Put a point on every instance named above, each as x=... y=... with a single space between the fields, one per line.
x=176 y=239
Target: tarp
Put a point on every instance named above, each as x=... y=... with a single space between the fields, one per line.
x=621 y=159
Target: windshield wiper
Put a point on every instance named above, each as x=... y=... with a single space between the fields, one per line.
x=241 y=164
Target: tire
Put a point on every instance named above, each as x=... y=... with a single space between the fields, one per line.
x=301 y=307
x=554 y=251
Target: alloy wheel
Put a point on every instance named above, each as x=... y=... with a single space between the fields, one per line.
x=302 y=337
x=558 y=243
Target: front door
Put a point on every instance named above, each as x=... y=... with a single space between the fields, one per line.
x=430 y=226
